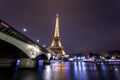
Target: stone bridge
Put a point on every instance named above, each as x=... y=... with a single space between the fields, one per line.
x=12 y=41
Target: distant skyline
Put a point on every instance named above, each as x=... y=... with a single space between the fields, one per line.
x=85 y=25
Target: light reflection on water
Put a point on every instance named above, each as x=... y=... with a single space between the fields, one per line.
x=66 y=71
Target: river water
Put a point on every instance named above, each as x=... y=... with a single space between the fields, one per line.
x=64 y=71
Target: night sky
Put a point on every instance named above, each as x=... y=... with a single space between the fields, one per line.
x=85 y=25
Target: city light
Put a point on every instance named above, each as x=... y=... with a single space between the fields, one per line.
x=44 y=46
x=37 y=40
x=24 y=30
x=49 y=55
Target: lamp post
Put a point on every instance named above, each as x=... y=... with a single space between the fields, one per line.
x=44 y=45
x=24 y=30
x=37 y=40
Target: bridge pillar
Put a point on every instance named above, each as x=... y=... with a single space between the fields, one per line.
x=27 y=63
x=46 y=62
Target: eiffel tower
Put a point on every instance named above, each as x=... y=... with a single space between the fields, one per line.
x=56 y=46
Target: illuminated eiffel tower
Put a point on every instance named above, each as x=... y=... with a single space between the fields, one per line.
x=56 y=46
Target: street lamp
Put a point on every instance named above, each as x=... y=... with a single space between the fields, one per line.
x=24 y=30
x=38 y=40
x=44 y=45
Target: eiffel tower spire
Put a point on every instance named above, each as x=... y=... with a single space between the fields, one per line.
x=56 y=46
x=57 y=27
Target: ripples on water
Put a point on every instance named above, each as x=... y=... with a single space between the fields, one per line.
x=65 y=71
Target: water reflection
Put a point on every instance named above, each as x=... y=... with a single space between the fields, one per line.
x=15 y=72
x=80 y=71
x=65 y=71
x=47 y=73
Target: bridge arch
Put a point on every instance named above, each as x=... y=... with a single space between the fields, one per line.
x=42 y=57
x=31 y=50
x=20 y=41
x=8 y=50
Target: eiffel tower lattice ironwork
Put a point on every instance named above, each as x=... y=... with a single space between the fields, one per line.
x=56 y=46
